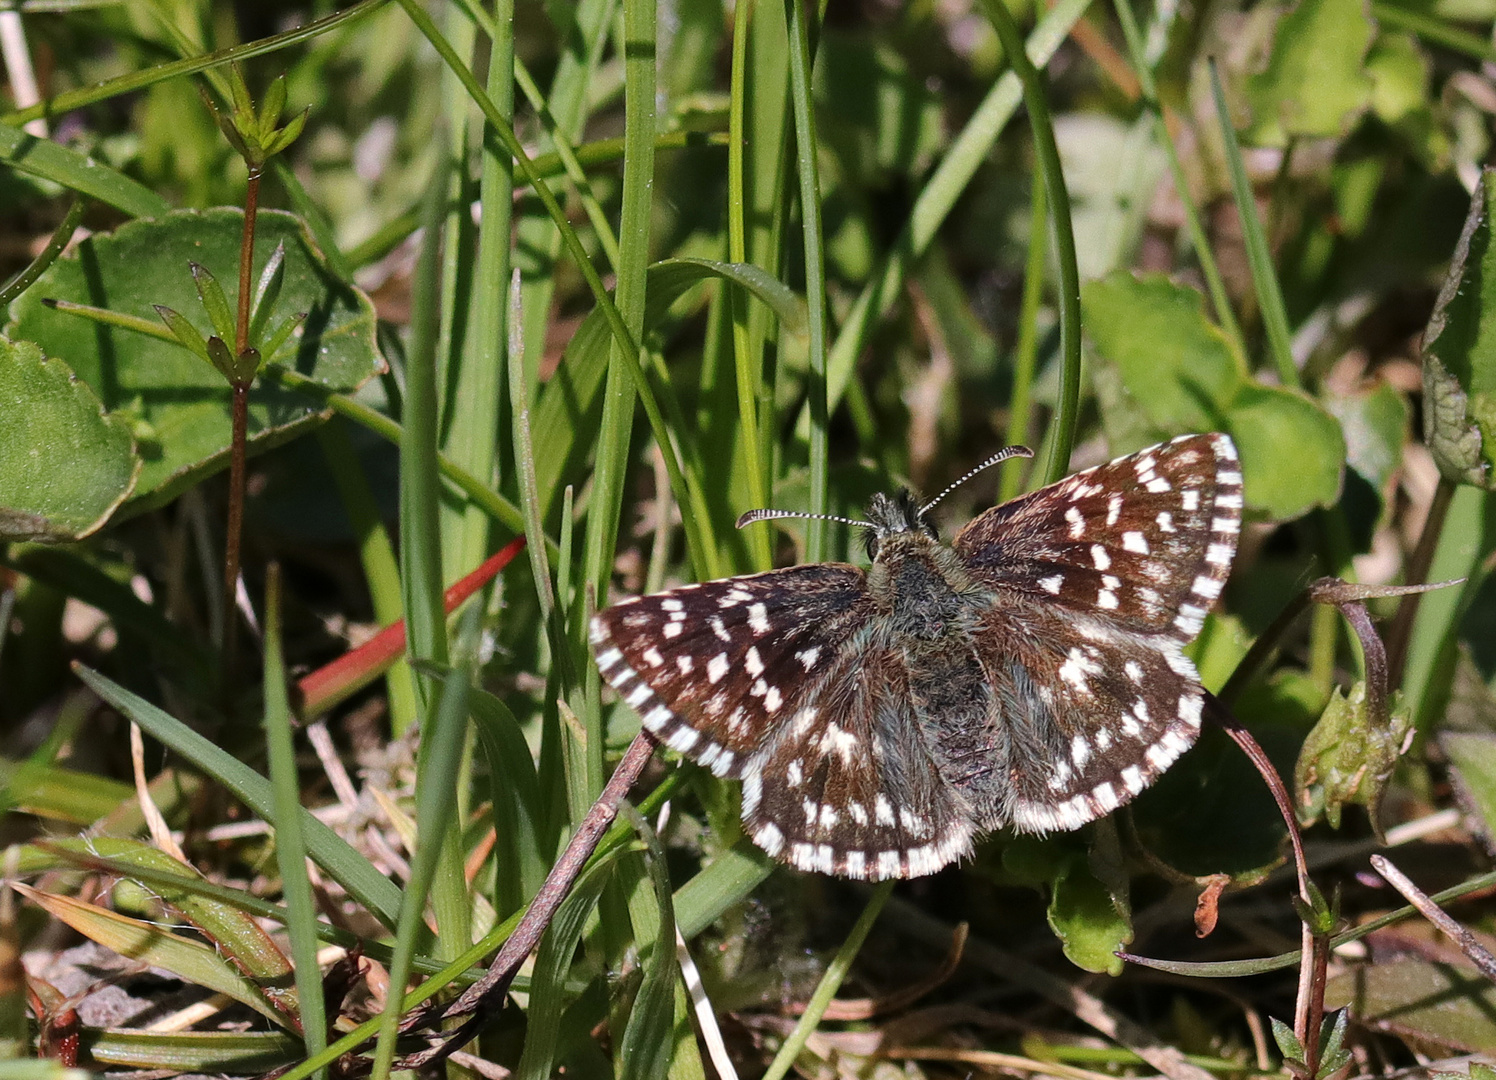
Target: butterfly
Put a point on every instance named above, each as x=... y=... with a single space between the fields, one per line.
x=1029 y=675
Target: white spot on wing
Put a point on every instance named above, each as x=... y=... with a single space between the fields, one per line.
x=1132 y=540
x=716 y=668
x=1100 y=558
x=758 y=618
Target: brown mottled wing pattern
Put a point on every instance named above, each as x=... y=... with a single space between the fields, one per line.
x=713 y=669
x=848 y=785
x=1145 y=541
x=1101 y=579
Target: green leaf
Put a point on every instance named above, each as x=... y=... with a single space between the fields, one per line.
x=189 y=336
x=1090 y=920
x=144 y=263
x=233 y=1052
x=1177 y=372
x=1444 y=1004
x=1347 y=758
x=1459 y=354
x=65 y=466
x=1314 y=84
x=214 y=302
x=1175 y=363
x=42 y=157
x=1288 y=1043
x=1375 y=425
x=1262 y=420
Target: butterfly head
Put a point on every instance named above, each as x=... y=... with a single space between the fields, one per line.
x=894 y=515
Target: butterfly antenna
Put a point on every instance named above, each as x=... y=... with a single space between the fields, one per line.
x=770 y=515
x=996 y=459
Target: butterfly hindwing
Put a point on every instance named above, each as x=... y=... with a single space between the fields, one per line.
x=1091 y=713
x=713 y=669
x=848 y=786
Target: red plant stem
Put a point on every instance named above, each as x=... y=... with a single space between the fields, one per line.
x=1314 y=960
x=240 y=425
x=247 y=259
x=235 y=525
x=331 y=683
x=485 y=996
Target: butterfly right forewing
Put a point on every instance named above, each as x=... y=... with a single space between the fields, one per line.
x=1145 y=541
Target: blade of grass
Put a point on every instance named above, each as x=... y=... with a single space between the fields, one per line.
x=1431 y=29
x=830 y=983
x=697 y=543
x=436 y=795
x=343 y=864
x=1259 y=257
x=646 y=1050
x=547 y=983
x=1026 y=352
x=606 y=503
x=47 y=256
x=377 y=556
x=502 y=510
x=747 y=361
x=936 y=200
x=191 y=961
x=421 y=577
x=140 y=80
x=290 y=845
x=1220 y=300
x=807 y=150
x=1067 y=409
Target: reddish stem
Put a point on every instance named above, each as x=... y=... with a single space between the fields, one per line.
x=332 y=683
x=240 y=429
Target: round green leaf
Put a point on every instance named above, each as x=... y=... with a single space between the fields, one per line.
x=1292 y=451
x=1174 y=362
x=181 y=401
x=1315 y=81
x=64 y=465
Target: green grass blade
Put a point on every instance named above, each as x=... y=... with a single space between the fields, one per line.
x=377 y=556
x=646 y=1048
x=1220 y=299
x=937 y=198
x=1063 y=423
x=330 y=851
x=830 y=982
x=436 y=797
x=548 y=982
x=1026 y=352
x=807 y=150
x=1259 y=257
x=290 y=845
x=139 y=80
x=78 y=172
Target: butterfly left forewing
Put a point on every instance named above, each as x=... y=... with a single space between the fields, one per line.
x=714 y=669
